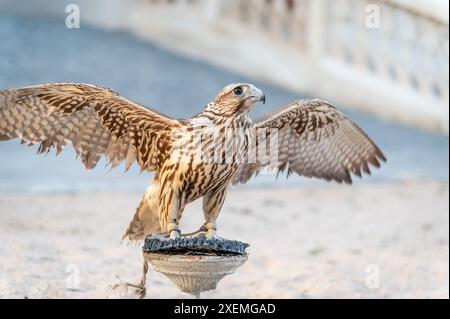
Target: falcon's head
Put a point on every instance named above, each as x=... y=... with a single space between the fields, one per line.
x=237 y=98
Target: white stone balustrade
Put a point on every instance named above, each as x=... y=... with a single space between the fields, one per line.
x=388 y=57
x=394 y=65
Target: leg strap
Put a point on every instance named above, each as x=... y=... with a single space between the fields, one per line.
x=173 y=226
x=208 y=226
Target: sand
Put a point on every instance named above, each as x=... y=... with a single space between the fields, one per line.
x=367 y=241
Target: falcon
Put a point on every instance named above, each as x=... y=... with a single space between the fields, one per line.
x=191 y=158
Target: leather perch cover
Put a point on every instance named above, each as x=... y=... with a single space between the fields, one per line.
x=194 y=246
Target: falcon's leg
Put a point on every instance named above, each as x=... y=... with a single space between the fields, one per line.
x=212 y=204
x=170 y=211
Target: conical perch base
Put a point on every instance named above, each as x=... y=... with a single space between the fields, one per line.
x=195 y=264
x=195 y=273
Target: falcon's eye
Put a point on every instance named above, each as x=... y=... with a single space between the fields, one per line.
x=238 y=90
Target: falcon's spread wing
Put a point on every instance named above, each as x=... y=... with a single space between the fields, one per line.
x=314 y=140
x=96 y=120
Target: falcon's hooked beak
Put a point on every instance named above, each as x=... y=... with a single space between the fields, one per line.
x=258 y=95
x=263 y=99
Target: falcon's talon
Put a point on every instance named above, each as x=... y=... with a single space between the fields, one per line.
x=174 y=234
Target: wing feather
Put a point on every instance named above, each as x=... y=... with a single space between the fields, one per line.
x=96 y=120
x=314 y=140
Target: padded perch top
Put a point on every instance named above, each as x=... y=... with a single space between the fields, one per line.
x=194 y=246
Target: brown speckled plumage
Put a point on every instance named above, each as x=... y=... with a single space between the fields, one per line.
x=313 y=139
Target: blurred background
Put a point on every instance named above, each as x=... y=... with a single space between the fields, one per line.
x=385 y=63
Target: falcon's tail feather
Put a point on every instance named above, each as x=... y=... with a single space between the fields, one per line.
x=146 y=219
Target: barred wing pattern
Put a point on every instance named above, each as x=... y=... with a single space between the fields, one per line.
x=315 y=140
x=96 y=120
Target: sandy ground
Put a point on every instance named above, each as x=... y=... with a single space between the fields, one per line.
x=366 y=241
